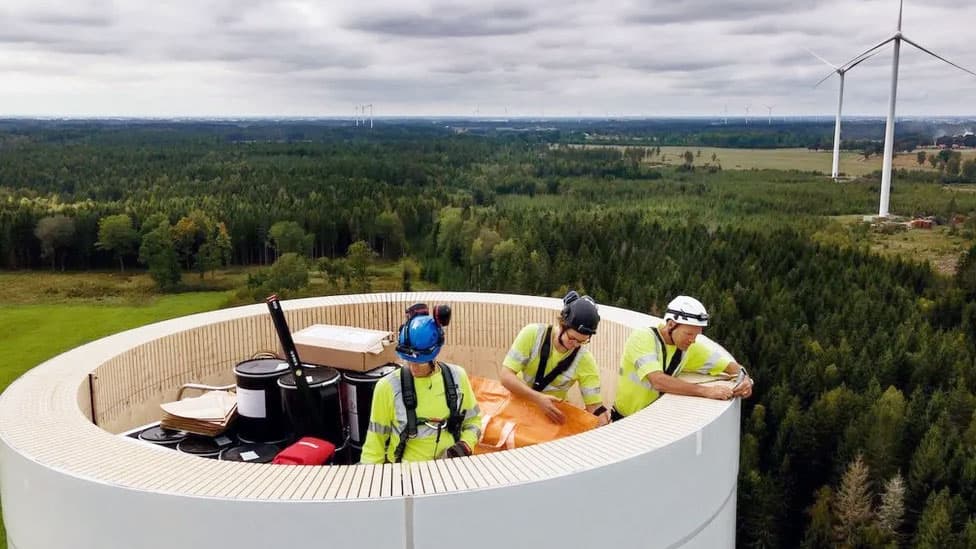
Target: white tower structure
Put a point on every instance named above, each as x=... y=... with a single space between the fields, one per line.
x=841 y=72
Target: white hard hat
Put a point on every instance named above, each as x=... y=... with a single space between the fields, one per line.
x=686 y=310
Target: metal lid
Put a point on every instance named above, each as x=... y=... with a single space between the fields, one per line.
x=370 y=376
x=250 y=453
x=316 y=376
x=204 y=446
x=261 y=367
x=158 y=435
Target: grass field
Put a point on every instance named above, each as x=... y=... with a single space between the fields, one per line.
x=33 y=333
x=805 y=160
x=939 y=246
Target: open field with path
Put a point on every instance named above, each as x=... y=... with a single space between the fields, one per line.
x=851 y=163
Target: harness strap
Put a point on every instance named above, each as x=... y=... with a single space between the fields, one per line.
x=408 y=391
x=669 y=368
x=542 y=379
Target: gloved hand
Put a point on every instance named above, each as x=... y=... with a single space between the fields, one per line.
x=460 y=449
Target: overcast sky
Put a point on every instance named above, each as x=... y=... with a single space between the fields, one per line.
x=487 y=57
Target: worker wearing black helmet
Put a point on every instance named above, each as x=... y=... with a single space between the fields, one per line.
x=561 y=349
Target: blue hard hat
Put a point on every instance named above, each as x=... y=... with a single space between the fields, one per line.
x=420 y=339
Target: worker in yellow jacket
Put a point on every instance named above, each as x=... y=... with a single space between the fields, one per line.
x=561 y=350
x=654 y=357
x=426 y=409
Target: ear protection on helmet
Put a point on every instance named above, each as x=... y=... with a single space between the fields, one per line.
x=442 y=317
x=567 y=300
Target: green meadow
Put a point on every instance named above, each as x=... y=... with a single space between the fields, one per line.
x=31 y=334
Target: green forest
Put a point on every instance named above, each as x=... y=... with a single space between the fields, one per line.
x=862 y=428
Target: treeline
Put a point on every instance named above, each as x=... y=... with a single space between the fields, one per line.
x=385 y=191
x=338 y=192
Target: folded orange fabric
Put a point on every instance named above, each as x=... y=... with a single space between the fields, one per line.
x=509 y=422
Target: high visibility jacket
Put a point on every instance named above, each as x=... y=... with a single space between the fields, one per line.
x=523 y=359
x=388 y=417
x=643 y=355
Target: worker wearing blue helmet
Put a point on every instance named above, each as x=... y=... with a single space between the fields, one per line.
x=427 y=409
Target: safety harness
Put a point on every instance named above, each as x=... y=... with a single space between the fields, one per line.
x=543 y=381
x=669 y=367
x=409 y=393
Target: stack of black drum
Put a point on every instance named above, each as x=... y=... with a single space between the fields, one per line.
x=271 y=414
x=270 y=409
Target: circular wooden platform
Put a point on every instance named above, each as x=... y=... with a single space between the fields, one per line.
x=663 y=477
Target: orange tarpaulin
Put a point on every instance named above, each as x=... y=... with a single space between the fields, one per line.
x=508 y=421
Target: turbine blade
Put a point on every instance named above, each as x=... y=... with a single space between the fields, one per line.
x=866 y=52
x=937 y=56
x=828 y=63
x=822 y=80
x=901 y=6
x=861 y=60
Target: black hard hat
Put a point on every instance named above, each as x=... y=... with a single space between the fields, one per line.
x=580 y=313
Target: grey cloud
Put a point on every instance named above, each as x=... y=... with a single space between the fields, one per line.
x=692 y=11
x=452 y=23
x=62 y=43
x=460 y=68
x=430 y=56
x=677 y=64
x=73 y=20
x=268 y=50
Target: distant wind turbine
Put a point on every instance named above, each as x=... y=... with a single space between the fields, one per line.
x=841 y=71
x=770 y=109
x=747 y=113
x=889 y=145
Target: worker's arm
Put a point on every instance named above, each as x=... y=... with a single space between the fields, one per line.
x=743 y=388
x=471 y=427
x=381 y=419
x=516 y=360
x=589 y=385
x=519 y=388
x=663 y=383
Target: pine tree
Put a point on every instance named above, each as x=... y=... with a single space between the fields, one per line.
x=892 y=508
x=852 y=505
x=935 y=526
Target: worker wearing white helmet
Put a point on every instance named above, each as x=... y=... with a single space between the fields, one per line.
x=654 y=356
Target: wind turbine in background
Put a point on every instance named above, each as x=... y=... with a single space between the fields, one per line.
x=747 y=113
x=357 y=116
x=841 y=71
x=889 y=145
x=770 y=109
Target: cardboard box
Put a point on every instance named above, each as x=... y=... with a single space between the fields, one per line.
x=345 y=347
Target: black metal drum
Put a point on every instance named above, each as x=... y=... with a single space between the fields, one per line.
x=323 y=383
x=250 y=453
x=163 y=437
x=357 y=399
x=261 y=417
x=209 y=447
